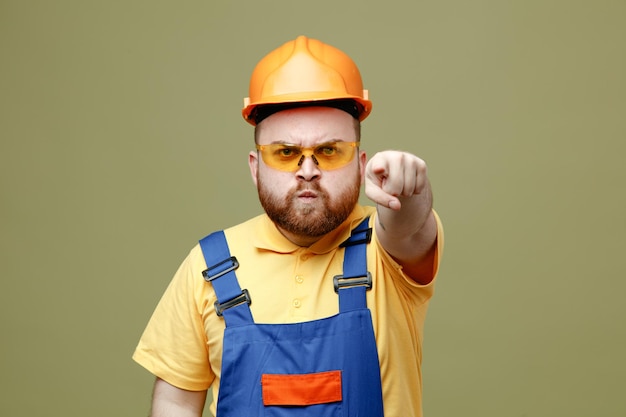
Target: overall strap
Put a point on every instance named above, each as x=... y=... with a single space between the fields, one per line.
x=356 y=279
x=232 y=303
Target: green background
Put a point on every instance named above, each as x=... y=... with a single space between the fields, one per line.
x=121 y=144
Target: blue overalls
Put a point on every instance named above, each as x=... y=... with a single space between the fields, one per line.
x=322 y=368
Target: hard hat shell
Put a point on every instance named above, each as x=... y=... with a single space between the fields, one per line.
x=305 y=70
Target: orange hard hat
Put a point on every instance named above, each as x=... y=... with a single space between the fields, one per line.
x=305 y=71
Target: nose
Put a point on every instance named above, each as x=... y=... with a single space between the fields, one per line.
x=308 y=168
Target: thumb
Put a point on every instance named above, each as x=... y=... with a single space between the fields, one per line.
x=374 y=191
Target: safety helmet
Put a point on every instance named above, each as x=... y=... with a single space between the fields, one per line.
x=305 y=71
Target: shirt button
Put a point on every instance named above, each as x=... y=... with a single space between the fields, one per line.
x=297 y=303
x=299 y=279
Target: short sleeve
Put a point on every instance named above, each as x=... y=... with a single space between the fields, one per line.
x=173 y=345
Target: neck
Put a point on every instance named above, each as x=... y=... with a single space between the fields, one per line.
x=300 y=240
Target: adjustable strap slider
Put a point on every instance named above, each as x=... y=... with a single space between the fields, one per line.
x=220 y=268
x=358 y=237
x=341 y=282
x=242 y=298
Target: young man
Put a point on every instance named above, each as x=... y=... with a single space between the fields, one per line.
x=317 y=306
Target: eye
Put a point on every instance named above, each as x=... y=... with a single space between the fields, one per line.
x=287 y=152
x=326 y=150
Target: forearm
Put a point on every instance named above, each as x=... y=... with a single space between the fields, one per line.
x=409 y=235
x=406 y=226
x=170 y=401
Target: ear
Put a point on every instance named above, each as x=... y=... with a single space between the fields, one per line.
x=362 y=165
x=253 y=163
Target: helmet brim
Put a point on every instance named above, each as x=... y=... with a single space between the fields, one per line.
x=252 y=110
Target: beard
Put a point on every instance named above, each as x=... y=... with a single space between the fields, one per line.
x=309 y=219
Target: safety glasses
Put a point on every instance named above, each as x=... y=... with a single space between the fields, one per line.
x=328 y=156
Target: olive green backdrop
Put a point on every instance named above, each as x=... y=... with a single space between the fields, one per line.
x=121 y=144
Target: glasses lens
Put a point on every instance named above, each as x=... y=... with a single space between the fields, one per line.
x=281 y=156
x=335 y=155
x=328 y=156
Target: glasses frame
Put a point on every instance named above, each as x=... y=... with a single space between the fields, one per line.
x=304 y=153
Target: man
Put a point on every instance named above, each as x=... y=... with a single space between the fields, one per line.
x=330 y=318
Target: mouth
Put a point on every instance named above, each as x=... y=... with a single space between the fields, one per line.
x=307 y=195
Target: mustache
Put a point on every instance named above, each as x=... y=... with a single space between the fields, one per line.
x=313 y=186
x=309 y=186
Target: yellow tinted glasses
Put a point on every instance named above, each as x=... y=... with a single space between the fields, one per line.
x=328 y=156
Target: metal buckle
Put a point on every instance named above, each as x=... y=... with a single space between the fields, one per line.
x=244 y=297
x=341 y=282
x=233 y=264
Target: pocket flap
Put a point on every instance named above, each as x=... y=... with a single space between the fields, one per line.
x=301 y=389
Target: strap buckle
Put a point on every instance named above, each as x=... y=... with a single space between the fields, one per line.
x=342 y=282
x=358 y=237
x=242 y=298
x=223 y=268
